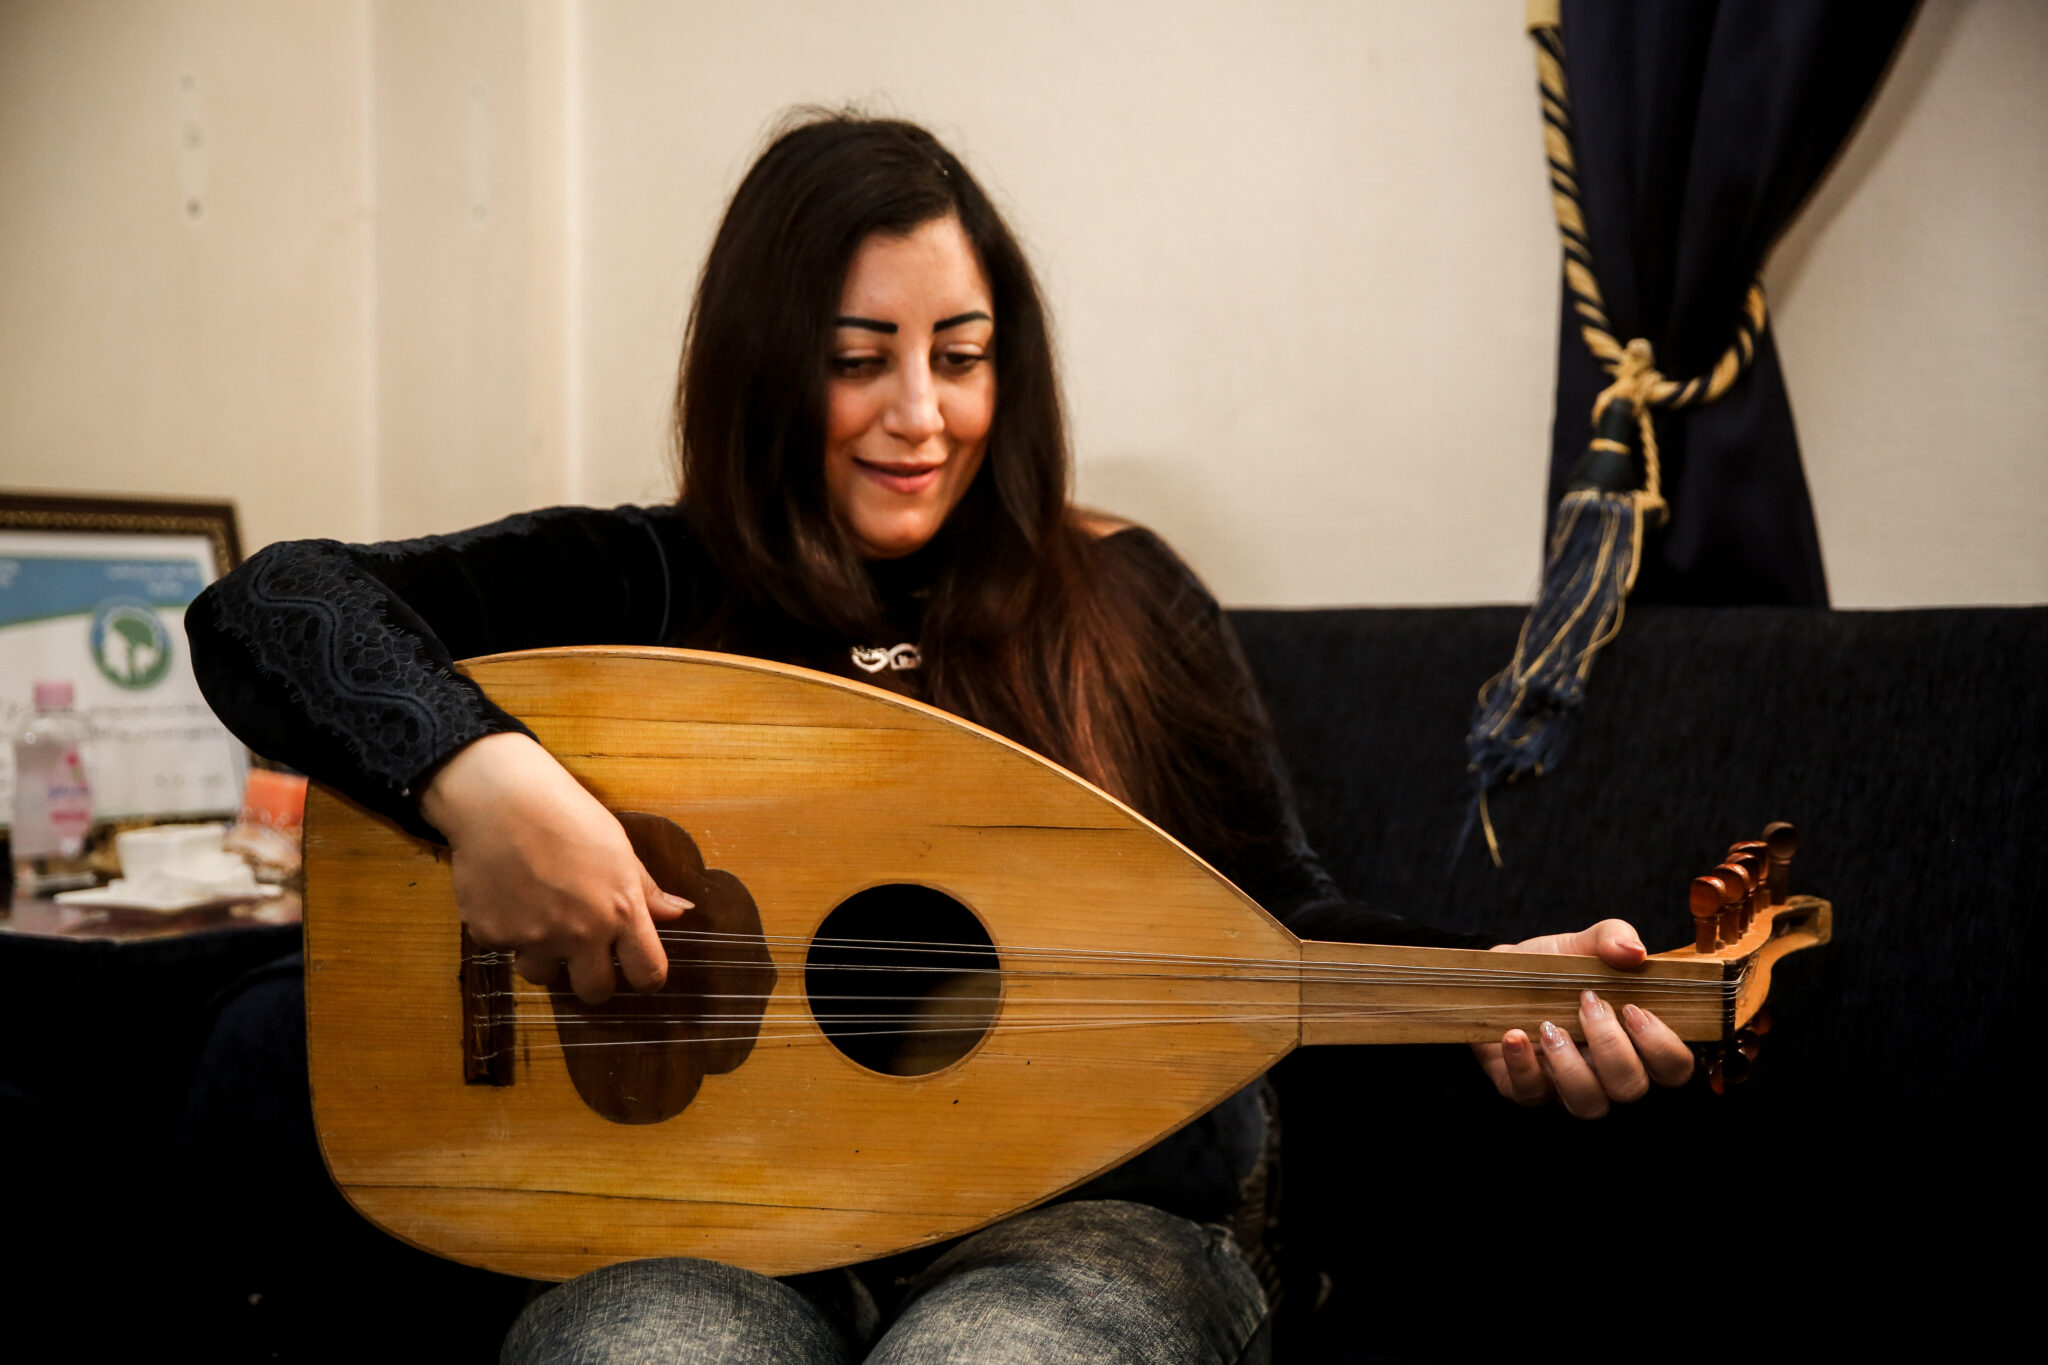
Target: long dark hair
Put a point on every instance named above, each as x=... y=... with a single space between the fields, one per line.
x=1030 y=628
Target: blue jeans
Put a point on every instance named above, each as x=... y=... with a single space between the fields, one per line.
x=1099 y=1282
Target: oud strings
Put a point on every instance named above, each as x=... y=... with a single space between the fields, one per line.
x=924 y=1015
x=1232 y=968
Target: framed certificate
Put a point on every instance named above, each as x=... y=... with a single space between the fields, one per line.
x=93 y=590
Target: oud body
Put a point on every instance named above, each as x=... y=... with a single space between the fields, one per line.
x=1103 y=987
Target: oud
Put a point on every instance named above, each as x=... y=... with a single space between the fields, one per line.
x=931 y=979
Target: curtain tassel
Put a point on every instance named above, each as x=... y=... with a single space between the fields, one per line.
x=1526 y=712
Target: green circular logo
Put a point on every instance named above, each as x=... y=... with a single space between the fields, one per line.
x=130 y=644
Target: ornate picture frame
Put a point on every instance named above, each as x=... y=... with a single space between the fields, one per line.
x=21 y=511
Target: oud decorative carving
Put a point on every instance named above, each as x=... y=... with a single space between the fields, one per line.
x=641 y=1058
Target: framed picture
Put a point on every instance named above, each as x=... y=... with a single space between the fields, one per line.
x=93 y=592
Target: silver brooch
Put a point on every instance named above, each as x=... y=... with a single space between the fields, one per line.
x=873 y=659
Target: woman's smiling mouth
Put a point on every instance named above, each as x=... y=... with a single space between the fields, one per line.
x=901 y=478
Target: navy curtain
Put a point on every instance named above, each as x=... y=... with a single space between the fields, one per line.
x=1700 y=127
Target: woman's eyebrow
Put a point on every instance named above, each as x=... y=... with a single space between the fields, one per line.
x=868 y=324
x=943 y=323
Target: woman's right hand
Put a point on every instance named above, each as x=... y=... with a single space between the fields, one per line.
x=543 y=869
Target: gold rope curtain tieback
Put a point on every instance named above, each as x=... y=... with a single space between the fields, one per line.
x=1632 y=364
x=1596 y=543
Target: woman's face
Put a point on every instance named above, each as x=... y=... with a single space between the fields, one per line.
x=912 y=387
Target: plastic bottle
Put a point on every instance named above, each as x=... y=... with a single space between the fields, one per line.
x=52 y=794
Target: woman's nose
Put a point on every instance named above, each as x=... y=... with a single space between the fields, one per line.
x=913 y=413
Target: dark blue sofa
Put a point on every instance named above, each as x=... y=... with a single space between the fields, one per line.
x=1887 y=1112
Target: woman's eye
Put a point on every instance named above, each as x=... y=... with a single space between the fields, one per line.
x=854 y=366
x=961 y=361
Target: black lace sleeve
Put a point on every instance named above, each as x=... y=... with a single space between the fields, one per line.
x=337 y=658
x=1270 y=859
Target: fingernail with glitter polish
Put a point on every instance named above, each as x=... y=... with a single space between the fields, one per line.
x=1555 y=1038
x=1591 y=1005
x=1637 y=1020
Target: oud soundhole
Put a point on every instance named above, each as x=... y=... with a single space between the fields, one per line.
x=903 y=979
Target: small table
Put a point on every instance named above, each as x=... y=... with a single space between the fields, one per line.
x=103 y=1013
x=44 y=917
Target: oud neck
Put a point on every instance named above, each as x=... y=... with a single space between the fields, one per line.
x=1375 y=993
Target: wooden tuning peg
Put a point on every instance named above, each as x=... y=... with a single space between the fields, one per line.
x=1708 y=895
x=1750 y=857
x=1756 y=847
x=1781 y=840
x=1739 y=1061
x=1732 y=1062
x=1739 y=883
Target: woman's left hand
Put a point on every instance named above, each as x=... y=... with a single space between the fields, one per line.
x=1622 y=1053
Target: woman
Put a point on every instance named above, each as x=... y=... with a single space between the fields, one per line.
x=874 y=475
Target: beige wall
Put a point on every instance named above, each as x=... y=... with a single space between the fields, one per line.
x=1912 y=309
x=1299 y=255
x=183 y=246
